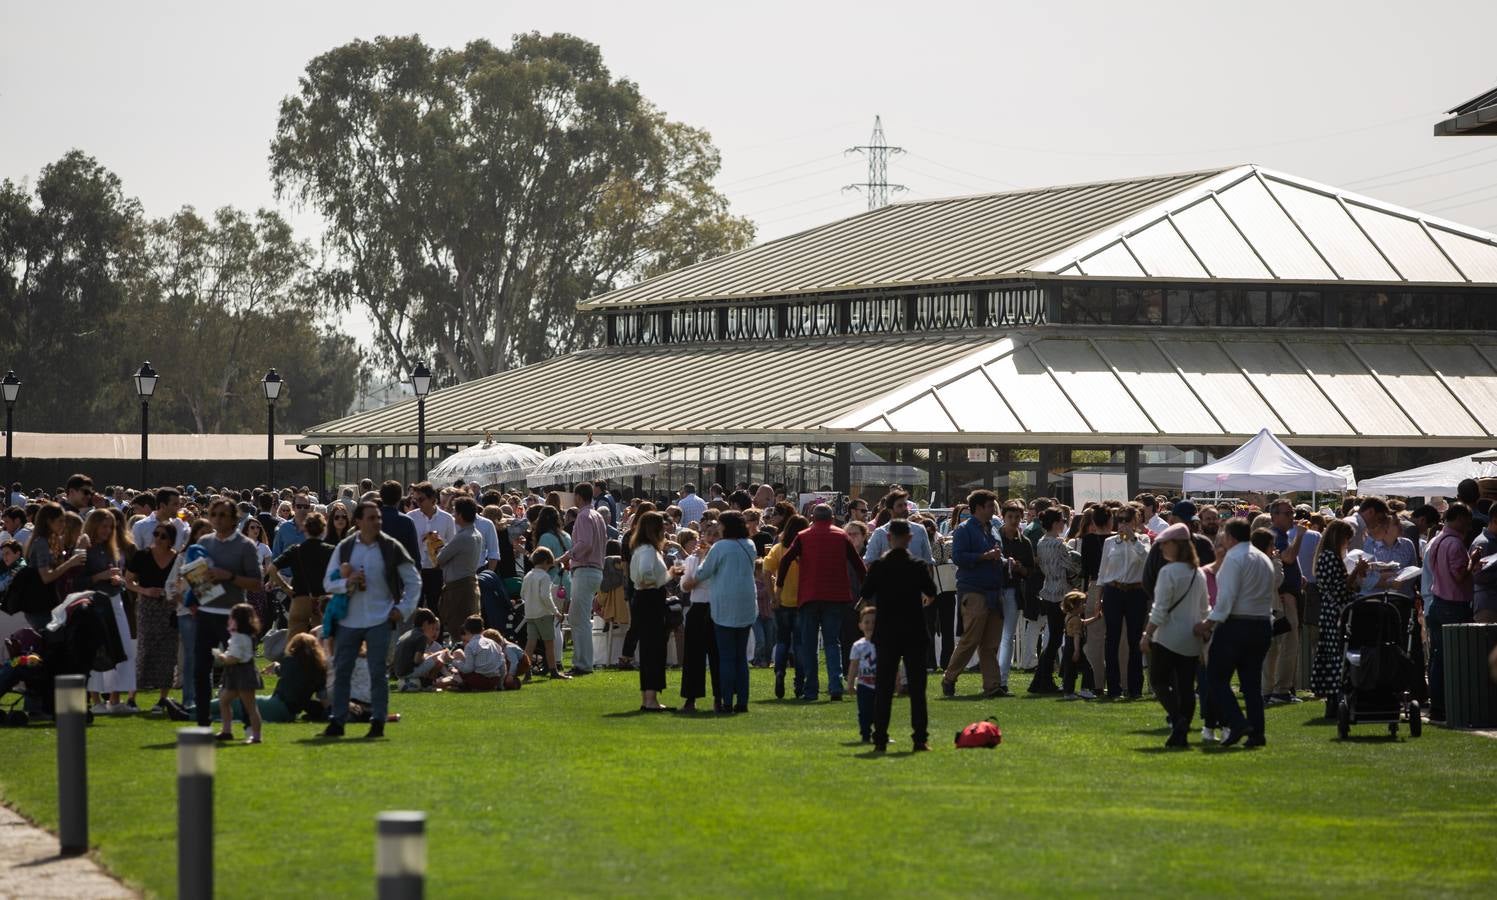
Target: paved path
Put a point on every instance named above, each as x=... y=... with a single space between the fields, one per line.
x=30 y=866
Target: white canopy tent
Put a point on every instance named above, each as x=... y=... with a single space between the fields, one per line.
x=1434 y=480
x=1264 y=463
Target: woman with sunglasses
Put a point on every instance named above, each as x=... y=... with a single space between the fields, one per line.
x=155 y=612
x=339 y=523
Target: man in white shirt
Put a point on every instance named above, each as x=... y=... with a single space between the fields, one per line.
x=434 y=528
x=691 y=506
x=168 y=502
x=1240 y=630
x=1153 y=521
x=1125 y=603
x=878 y=541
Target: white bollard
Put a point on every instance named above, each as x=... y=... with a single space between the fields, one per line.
x=400 y=855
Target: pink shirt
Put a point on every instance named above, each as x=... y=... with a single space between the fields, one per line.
x=1450 y=563
x=589 y=539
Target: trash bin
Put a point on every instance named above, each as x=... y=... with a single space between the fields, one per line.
x=1470 y=695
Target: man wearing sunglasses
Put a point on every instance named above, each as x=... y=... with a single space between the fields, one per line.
x=79 y=495
x=167 y=501
x=293 y=531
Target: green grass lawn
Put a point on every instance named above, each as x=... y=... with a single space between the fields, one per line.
x=563 y=789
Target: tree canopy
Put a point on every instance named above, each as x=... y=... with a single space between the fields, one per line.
x=474 y=196
x=90 y=288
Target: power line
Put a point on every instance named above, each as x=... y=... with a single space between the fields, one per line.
x=1053 y=151
x=1378 y=187
x=809 y=162
x=766 y=184
x=877 y=187
x=935 y=162
x=1439 y=162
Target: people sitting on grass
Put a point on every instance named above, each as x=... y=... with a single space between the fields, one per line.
x=418 y=653
x=478 y=665
x=516 y=662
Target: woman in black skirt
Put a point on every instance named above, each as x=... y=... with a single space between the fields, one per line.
x=649 y=574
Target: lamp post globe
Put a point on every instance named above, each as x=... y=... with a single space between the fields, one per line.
x=271 y=384
x=421 y=384
x=145 y=387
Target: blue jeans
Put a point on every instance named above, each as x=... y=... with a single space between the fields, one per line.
x=826 y=619
x=764 y=638
x=787 y=629
x=187 y=632
x=1441 y=613
x=346 y=655
x=732 y=652
x=1238 y=645
x=866 y=695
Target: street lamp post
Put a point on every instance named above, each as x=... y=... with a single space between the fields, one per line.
x=145 y=386
x=421 y=383
x=272 y=384
x=12 y=389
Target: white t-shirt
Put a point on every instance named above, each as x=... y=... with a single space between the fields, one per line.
x=441 y=522
x=144 y=531
x=866 y=656
x=702 y=593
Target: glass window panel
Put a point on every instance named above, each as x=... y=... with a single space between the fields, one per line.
x=1479 y=312
x=1300 y=309
x=1233 y=308
x=1139 y=306
x=1085 y=304
x=1166 y=454
x=1024 y=454
x=1351 y=308
x=1185 y=306
x=1091 y=456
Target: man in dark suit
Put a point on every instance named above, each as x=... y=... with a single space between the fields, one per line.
x=899 y=586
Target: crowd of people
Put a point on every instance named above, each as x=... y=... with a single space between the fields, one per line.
x=470 y=588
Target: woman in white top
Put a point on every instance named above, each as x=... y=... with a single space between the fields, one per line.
x=649 y=573
x=1170 y=640
x=1124 y=601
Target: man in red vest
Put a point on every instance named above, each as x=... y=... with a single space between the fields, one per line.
x=827 y=556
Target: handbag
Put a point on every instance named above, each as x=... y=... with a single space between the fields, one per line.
x=946 y=578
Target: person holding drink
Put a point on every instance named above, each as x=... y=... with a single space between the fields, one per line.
x=981 y=572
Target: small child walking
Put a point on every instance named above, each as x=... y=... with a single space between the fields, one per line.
x=1073 y=648
x=537 y=592
x=239 y=673
x=862 y=671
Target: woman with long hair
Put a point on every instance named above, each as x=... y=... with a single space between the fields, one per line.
x=156 y=640
x=45 y=553
x=338 y=523
x=649 y=574
x=547 y=532
x=1337 y=589
x=102 y=572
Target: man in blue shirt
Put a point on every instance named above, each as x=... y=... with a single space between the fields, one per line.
x=981 y=570
x=292 y=531
x=691 y=505
x=878 y=541
x=1282 y=663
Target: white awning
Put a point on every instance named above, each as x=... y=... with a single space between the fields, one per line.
x=1262 y=464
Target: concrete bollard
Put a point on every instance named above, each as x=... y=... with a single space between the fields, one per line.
x=195 y=767
x=400 y=855
x=70 y=703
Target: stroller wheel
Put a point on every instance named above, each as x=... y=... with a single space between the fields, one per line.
x=1343 y=721
x=1416 y=723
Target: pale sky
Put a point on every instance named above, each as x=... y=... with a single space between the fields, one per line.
x=180 y=99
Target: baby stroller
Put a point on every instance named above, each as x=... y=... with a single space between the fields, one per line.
x=1377 y=635
x=88 y=641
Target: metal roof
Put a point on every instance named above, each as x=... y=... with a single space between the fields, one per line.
x=1199 y=386
x=1476 y=116
x=932 y=241
x=1064 y=385
x=686 y=389
x=1242 y=222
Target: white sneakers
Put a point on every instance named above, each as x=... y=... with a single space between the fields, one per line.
x=1207 y=734
x=1087 y=695
x=112 y=709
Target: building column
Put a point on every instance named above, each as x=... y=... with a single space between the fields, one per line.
x=1131 y=461
x=842 y=468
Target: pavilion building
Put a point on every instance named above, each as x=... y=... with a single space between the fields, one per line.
x=1012 y=340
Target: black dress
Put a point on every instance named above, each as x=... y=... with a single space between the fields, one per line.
x=155 y=628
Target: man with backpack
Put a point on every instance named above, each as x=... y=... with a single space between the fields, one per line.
x=382 y=585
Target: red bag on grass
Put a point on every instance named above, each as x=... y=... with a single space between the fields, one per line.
x=980 y=734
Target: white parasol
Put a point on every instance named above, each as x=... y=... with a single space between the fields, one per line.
x=488 y=462
x=591 y=460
